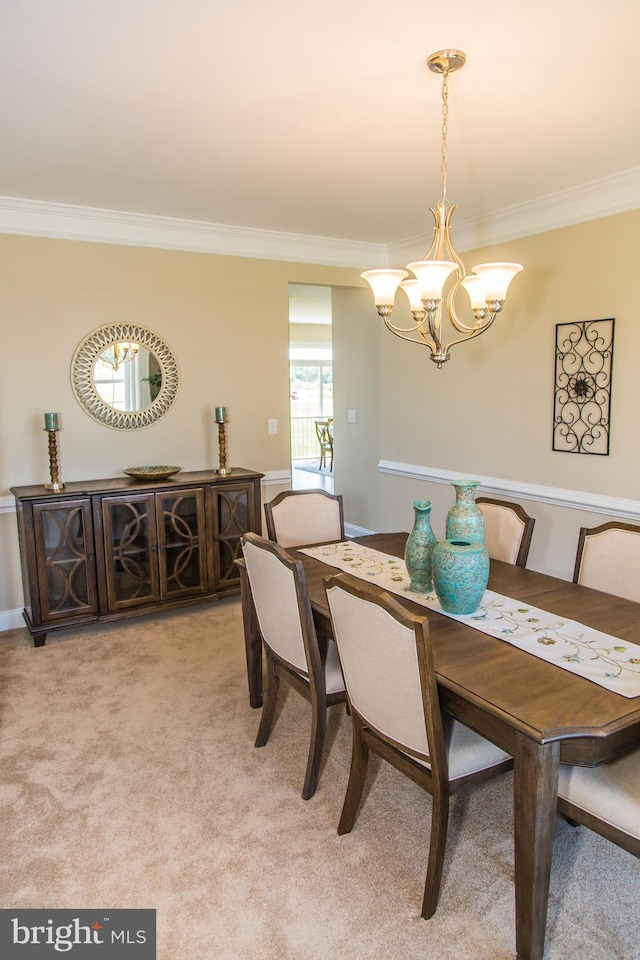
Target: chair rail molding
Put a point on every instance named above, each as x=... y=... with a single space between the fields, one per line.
x=557 y=496
x=273 y=478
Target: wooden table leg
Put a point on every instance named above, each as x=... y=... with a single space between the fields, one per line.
x=535 y=798
x=252 y=638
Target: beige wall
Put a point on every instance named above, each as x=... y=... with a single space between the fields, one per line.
x=488 y=412
x=225 y=318
x=312 y=333
x=356 y=376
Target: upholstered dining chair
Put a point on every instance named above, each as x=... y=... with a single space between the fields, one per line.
x=388 y=669
x=608 y=559
x=291 y=646
x=302 y=517
x=605 y=799
x=508 y=529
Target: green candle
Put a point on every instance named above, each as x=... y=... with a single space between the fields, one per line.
x=51 y=421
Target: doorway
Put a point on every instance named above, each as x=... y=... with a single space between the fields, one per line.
x=310 y=387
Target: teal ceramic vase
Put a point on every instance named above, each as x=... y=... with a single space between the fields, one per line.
x=465 y=520
x=419 y=547
x=460 y=575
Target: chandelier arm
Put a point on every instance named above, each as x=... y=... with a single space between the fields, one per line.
x=399 y=332
x=455 y=320
x=432 y=253
x=435 y=327
x=473 y=333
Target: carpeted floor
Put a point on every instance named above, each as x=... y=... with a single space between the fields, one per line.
x=130 y=779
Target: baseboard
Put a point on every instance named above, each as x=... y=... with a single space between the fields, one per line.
x=351 y=530
x=571 y=499
x=11 y=619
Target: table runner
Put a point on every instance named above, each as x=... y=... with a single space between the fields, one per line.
x=596 y=656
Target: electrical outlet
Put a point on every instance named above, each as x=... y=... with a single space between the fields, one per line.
x=272 y=427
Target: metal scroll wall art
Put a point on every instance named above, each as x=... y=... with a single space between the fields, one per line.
x=584 y=356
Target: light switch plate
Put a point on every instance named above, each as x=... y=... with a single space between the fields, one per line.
x=272 y=427
x=351 y=416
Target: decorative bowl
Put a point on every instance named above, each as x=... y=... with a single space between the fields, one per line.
x=151 y=473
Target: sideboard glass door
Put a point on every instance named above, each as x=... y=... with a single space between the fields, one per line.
x=131 y=551
x=64 y=559
x=181 y=543
x=235 y=514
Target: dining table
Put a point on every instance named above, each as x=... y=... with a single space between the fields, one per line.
x=540 y=713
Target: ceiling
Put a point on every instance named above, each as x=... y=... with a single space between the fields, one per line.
x=313 y=118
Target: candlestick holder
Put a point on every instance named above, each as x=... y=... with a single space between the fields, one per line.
x=55 y=484
x=223 y=469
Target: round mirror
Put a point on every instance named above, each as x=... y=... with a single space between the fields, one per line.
x=125 y=376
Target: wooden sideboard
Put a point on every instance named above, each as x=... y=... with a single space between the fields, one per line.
x=108 y=549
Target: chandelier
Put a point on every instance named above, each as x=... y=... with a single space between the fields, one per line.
x=486 y=286
x=119 y=353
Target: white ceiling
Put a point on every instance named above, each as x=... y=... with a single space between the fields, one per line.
x=313 y=118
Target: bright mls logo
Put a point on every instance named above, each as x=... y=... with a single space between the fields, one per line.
x=80 y=934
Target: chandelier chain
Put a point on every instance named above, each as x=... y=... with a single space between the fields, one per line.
x=445 y=122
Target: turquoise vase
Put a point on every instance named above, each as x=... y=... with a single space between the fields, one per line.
x=460 y=575
x=419 y=547
x=465 y=520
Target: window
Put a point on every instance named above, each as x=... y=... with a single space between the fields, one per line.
x=311 y=392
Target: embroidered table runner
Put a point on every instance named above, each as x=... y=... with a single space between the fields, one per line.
x=596 y=656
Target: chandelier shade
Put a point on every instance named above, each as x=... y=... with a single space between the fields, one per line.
x=432 y=276
x=438 y=277
x=384 y=284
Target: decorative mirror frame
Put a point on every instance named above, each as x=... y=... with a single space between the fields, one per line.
x=84 y=360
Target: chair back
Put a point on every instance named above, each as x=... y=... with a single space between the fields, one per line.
x=303 y=517
x=388 y=668
x=324 y=433
x=507 y=530
x=280 y=598
x=608 y=559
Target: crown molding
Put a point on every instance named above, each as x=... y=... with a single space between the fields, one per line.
x=589 y=201
x=40 y=218
x=557 y=496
